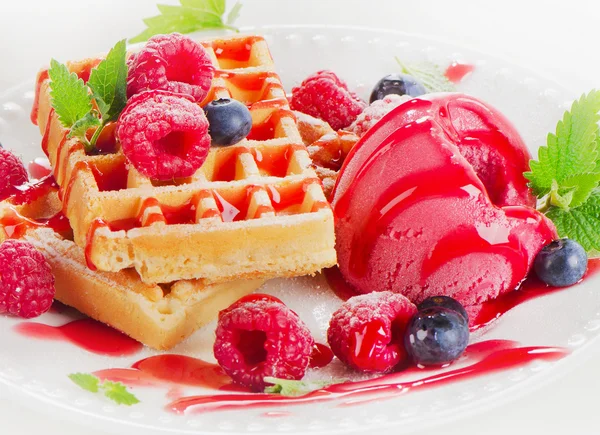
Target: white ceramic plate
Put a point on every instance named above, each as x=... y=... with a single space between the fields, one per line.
x=37 y=370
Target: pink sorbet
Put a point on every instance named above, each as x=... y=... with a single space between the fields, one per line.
x=432 y=201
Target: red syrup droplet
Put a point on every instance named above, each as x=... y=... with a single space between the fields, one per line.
x=237 y=50
x=169 y=370
x=39 y=168
x=493 y=356
x=46 y=136
x=88 y=334
x=89 y=243
x=320 y=356
x=29 y=192
x=457 y=71
x=531 y=288
x=42 y=76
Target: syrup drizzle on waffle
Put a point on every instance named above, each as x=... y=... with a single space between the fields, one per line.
x=235 y=185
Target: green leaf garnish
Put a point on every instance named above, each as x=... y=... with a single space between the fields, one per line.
x=581 y=224
x=566 y=175
x=572 y=150
x=192 y=15
x=115 y=391
x=108 y=82
x=69 y=94
x=86 y=381
x=287 y=387
x=72 y=98
x=429 y=74
x=82 y=125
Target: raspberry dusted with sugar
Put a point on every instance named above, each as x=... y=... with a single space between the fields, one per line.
x=324 y=96
x=173 y=63
x=26 y=280
x=12 y=173
x=377 y=110
x=259 y=336
x=367 y=331
x=164 y=135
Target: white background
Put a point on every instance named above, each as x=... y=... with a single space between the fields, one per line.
x=559 y=39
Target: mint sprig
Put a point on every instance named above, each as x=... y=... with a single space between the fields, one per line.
x=72 y=98
x=581 y=224
x=192 y=15
x=566 y=176
x=572 y=150
x=115 y=391
x=429 y=74
x=291 y=388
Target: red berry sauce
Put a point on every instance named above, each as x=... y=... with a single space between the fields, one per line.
x=86 y=333
x=457 y=71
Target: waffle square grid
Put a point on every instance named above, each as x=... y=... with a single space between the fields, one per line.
x=254 y=210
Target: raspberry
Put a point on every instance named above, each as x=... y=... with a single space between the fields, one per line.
x=377 y=110
x=173 y=63
x=323 y=95
x=259 y=336
x=367 y=331
x=26 y=280
x=164 y=135
x=12 y=173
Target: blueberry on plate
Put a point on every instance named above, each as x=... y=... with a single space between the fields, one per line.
x=399 y=84
x=561 y=263
x=229 y=121
x=436 y=336
x=446 y=302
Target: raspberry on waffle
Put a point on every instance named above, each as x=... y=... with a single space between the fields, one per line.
x=159 y=316
x=253 y=210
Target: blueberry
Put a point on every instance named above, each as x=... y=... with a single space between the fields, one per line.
x=229 y=121
x=436 y=336
x=400 y=84
x=446 y=302
x=561 y=263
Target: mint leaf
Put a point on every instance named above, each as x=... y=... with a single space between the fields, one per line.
x=429 y=74
x=192 y=15
x=216 y=7
x=108 y=82
x=70 y=98
x=581 y=224
x=582 y=186
x=572 y=150
x=86 y=381
x=287 y=387
x=117 y=392
x=81 y=126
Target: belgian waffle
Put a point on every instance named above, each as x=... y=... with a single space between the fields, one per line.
x=160 y=316
x=327 y=148
x=254 y=210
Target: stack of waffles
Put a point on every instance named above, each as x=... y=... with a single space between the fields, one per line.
x=157 y=260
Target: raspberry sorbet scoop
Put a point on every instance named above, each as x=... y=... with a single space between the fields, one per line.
x=259 y=336
x=164 y=135
x=432 y=201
